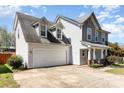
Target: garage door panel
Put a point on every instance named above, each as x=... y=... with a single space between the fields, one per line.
x=49 y=57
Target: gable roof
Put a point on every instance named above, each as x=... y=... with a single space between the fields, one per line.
x=68 y=19
x=80 y=21
x=29 y=32
x=83 y=18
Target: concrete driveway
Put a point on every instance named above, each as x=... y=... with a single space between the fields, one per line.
x=70 y=76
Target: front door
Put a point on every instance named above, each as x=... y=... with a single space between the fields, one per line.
x=83 y=56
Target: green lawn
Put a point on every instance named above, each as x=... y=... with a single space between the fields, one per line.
x=5 y=69
x=116 y=71
x=6 y=78
x=118 y=65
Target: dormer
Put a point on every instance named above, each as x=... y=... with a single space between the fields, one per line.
x=57 y=30
x=41 y=27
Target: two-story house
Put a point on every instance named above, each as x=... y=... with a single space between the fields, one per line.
x=43 y=43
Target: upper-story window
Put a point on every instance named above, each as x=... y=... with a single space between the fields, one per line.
x=43 y=30
x=103 y=38
x=59 y=33
x=96 y=36
x=89 y=33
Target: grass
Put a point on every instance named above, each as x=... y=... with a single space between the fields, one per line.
x=7 y=81
x=6 y=78
x=5 y=69
x=96 y=65
x=118 y=65
x=119 y=71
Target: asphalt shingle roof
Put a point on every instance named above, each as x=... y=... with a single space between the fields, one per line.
x=82 y=19
x=30 y=34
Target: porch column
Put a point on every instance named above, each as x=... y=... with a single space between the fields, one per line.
x=106 y=52
x=102 y=53
x=94 y=53
x=89 y=56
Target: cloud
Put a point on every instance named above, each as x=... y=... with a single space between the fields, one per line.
x=82 y=14
x=44 y=8
x=106 y=7
x=117 y=16
x=36 y=6
x=110 y=7
x=96 y=6
x=9 y=10
x=119 y=20
x=32 y=12
x=106 y=11
x=117 y=31
x=40 y=7
x=102 y=15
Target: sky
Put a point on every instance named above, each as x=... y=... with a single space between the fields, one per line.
x=111 y=18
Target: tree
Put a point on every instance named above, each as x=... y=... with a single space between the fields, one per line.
x=6 y=38
x=115 y=50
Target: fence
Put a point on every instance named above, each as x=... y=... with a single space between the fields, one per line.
x=4 y=57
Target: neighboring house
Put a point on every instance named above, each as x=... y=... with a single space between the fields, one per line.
x=43 y=43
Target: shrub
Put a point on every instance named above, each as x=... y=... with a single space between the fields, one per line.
x=15 y=61
x=119 y=59
x=111 y=59
x=122 y=62
x=96 y=65
x=114 y=59
x=104 y=62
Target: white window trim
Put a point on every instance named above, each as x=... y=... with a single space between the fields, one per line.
x=61 y=33
x=45 y=31
x=96 y=35
x=90 y=34
x=103 y=36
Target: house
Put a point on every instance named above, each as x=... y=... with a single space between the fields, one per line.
x=42 y=43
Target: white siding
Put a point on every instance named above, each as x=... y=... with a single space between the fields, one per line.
x=54 y=33
x=37 y=30
x=75 y=34
x=21 y=45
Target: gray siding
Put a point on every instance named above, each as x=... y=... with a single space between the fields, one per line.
x=89 y=23
x=99 y=37
x=106 y=39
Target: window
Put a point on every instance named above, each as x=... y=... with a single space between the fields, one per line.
x=103 y=38
x=89 y=33
x=43 y=31
x=59 y=34
x=96 y=36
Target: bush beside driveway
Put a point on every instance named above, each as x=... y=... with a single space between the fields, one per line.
x=68 y=77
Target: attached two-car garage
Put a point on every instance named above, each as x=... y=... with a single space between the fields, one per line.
x=50 y=56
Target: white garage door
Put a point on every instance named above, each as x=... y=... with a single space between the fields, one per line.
x=44 y=57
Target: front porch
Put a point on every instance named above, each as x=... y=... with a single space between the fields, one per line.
x=95 y=53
